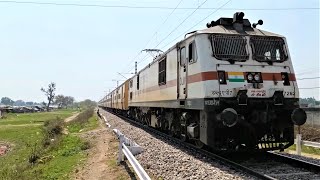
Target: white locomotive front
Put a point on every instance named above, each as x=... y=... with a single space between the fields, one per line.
x=230 y=87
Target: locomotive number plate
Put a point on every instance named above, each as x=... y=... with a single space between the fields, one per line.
x=256 y=93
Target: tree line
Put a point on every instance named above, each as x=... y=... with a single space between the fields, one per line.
x=60 y=100
x=309 y=100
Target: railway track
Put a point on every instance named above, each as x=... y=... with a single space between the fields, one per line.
x=267 y=165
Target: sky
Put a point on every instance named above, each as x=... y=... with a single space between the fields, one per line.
x=83 y=48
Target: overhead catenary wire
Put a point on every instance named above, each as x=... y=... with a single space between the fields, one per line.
x=197 y=23
x=155 y=7
x=308 y=78
x=142 y=59
x=185 y=20
x=181 y=23
x=311 y=88
x=157 y=29
x=178 y=26
x=192 y=26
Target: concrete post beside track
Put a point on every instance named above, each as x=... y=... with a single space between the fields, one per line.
x=120 y=155
x=298 y=145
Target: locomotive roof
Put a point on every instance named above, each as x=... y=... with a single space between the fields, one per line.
x=220 y=29
x=221 y=26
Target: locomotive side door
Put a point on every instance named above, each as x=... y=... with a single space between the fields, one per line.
x=182 y=72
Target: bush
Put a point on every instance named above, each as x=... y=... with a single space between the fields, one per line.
x=52 y=129
x=80 y=121
x=309 y=133
x=85 y=145
x=84 y=116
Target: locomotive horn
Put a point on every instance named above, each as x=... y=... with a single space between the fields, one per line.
x=229 y=117
x=260 y=22
x=298 y=116
x=238 y=17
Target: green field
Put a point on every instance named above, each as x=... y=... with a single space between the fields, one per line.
x=92 y=123
x=33 y=118
x=24 y=133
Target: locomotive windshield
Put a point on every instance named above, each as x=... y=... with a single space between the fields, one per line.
x=230 y=47
x=268 y=49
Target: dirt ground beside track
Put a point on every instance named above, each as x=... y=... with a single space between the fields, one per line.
x=102 y=157
x=71 y=117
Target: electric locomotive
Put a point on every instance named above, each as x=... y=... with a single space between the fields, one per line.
x=230 y=87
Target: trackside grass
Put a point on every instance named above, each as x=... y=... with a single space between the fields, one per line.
x=38 y=149
x=306 y=149
x=85 y=121
x=34 y=118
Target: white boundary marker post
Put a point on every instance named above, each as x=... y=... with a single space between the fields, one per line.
x=120 y=155
x=298 y=145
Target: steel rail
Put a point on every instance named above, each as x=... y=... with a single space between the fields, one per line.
x=294 y=161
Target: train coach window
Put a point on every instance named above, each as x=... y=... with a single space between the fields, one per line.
x=183 y=56
x=131 y=83
x=162 y=71
x=192 y=53
x=138 y=79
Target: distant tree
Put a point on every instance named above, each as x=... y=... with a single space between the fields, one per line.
x=44 y=104
x=64 y=101
x=59 y=100
x=30 y=103
x=7 y=101
x=19 y=103
x=69 y=100
x=50 y=93
x=87 y=103
x=309 y=101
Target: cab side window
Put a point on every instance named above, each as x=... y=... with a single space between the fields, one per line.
x=192 y=56
x=183 y=56
x=162 y=79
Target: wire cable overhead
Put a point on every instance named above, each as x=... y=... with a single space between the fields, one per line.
x=157 y=29
x=155 y=7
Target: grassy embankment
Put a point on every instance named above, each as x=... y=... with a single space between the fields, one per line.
x=38 y=149
x=309 y=133
x=85 y=121
x=306 y=149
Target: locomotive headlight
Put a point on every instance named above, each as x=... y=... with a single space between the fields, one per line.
x=250 y=77
x=257 y=77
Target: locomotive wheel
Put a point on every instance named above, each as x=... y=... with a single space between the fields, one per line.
x=199 y=144
x=143 y=119
x=183 y=133
x=173 y=130
x=183 y=137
